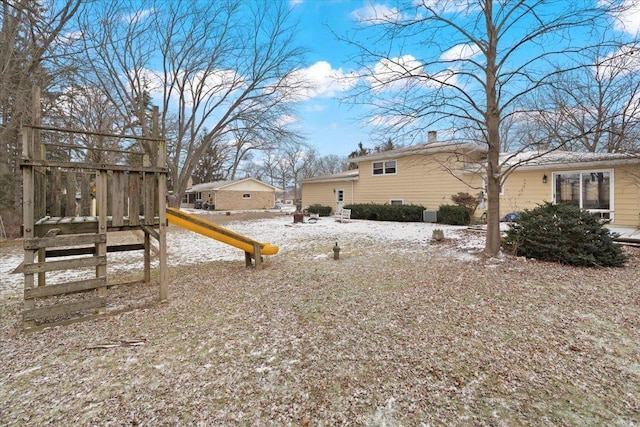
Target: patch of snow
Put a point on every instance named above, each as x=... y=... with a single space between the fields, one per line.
x=314 y=240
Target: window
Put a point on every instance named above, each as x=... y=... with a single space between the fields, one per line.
x=246 y=196
x=396 y=202
x=590 y=190
x=386 y=167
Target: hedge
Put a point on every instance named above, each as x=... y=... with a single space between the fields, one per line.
x=385 y=212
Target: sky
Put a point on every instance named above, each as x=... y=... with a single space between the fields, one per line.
x=331 y=125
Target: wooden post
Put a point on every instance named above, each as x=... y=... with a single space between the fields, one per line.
x=101 y=247
x=162 y=210
x=257 y=254
x=147 y=257
x=28 y=216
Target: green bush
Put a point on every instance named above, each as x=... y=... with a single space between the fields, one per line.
x=319 y=209
x=379 y=212
x=468 y=201
x=564 y=234
x=454 y=215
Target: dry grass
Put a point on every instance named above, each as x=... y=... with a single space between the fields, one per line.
x=376 y=338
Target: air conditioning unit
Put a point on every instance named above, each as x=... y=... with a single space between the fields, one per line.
x=429 y=216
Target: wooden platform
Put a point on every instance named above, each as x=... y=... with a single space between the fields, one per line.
x=89 y=224
x=77 y=187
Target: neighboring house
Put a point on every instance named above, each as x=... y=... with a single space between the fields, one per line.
x=247 y=193
x=429 y=174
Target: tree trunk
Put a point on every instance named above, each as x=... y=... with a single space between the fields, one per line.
x=492 y=244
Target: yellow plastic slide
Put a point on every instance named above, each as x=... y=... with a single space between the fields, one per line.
x=224 y=235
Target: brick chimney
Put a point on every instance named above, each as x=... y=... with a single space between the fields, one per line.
x=432 y=136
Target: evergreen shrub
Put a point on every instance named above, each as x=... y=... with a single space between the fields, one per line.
x=565 y=234
x=454 y=215
x=468 y=201
x=320 y=210
x=386 y=212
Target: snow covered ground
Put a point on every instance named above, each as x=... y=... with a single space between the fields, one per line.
x=308 y=240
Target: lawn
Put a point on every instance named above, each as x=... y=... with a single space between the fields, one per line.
x=404 y=334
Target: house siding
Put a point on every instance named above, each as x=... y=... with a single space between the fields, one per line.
x=322 y=193
x=524 y=189
x=226 y=200
x=420 y=180
x=430 y=181
x=229 y=195
x=627 y=196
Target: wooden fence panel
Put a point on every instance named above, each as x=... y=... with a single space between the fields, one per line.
x=86 y=195
x=41 y=267
x=64 y=309
x=149 y=197
x=39 y=195
x=54 y=192
x=118 y=187
x=65 y=288
x=70 y=189
x=134 y=198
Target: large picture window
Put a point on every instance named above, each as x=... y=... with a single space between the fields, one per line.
x=590 y=190
x=387 y=167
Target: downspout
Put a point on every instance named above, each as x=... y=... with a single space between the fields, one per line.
x=352 y=193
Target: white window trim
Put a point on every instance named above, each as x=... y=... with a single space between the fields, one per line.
x=246 y=194
x=612 y=188
x=396 y=200
x=384 y=167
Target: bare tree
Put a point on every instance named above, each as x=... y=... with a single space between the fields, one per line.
x=223 y=65
x=29 y=40
x=210 y=167
x=295 y=159
x=325 y=165
x=258 y=134
x=596 y=108
x=469 y=66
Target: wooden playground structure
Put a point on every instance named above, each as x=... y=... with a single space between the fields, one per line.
x=78 y=187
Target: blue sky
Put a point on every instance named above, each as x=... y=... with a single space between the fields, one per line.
x=331 y=126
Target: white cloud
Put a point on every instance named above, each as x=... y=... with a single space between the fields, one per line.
x=137 y=16
x=395 y=73
x=211 y=84
x=622 y=61
x=286 y=120
x=628 y=21
x=376 y=14
x=442 y=7
x=321 y=80
x=460 y=52
x=70 y=37
x=405 y=73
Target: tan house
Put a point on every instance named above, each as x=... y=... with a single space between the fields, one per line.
x=247 y=193
x=429 y=174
